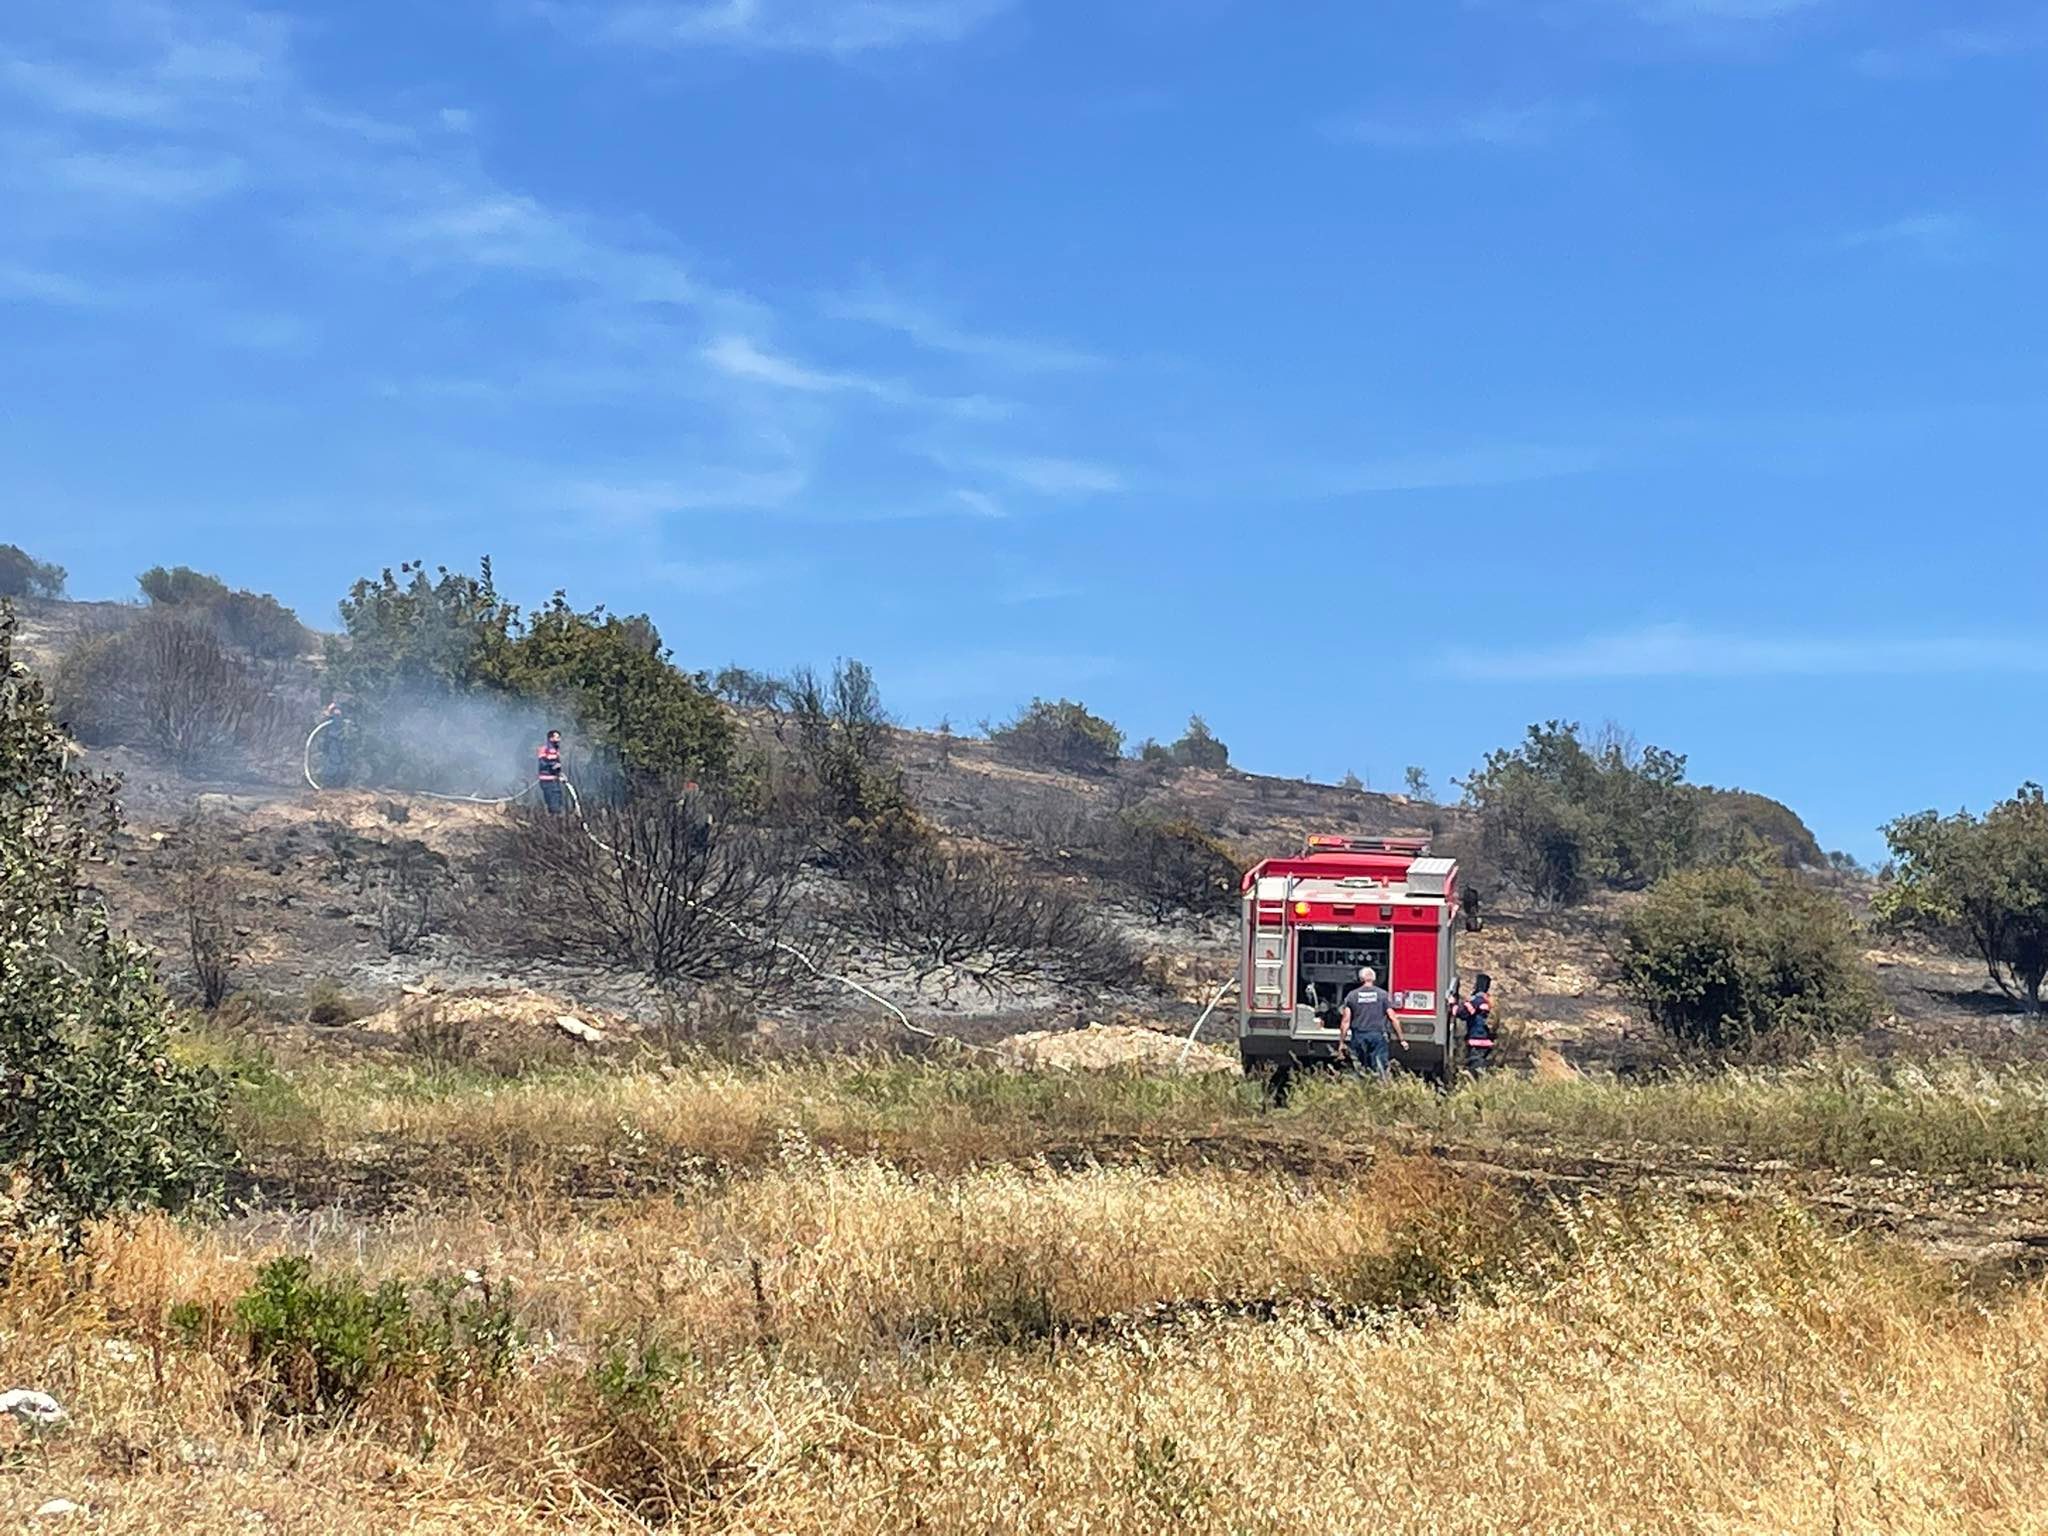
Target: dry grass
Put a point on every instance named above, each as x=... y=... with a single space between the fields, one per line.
x=1646 y=1372
x=1957 y=1117
x=861 y=1301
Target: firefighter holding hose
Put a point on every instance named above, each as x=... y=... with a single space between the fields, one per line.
x=550 y=773
x=335 y=735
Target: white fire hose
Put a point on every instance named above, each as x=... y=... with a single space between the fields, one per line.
x=1189 y=1043
x=427 y=794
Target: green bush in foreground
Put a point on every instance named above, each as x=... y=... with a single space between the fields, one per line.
x=320 y=1343
x=1725 y=960
x=97 y=1115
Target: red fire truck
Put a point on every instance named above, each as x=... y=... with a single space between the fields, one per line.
x=1310 y=923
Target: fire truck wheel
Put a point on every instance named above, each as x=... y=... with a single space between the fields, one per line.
x=1277 y=1081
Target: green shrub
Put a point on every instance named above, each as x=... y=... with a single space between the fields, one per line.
x=254 y=621
x=99 y=1116
x=412 y=640
x=622 y=686
x=1726 y=960
x=23 y=576
x=1199 y=748
x=181 y=587
x=321 y=1343
x=1731 y=817
x=1060 y=735
x=1558 y=814
x=328 y=1004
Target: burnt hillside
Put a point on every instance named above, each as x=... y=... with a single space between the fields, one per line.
x=325 y=889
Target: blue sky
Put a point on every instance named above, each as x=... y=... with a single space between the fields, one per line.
x=1374 y=378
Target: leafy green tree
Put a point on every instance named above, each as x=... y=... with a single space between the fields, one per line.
x=98 y=1115
x=1199 y=748
x=1061 y=734
x=746 y=688
x=1727 y=960
x=1726 y=815
x=180 y=586
x=23 y=576
x=620 y=684
x=1558 y=815
x=1980 y=883
x=255 y=621
x=414 y=636
x=410 y=638
x=1417 y=781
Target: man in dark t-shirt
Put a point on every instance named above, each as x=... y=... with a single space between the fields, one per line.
x=1367 y=1024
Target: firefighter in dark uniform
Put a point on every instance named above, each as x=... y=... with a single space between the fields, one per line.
x=337 y=745
x=551 y=779
x=1477 y=1012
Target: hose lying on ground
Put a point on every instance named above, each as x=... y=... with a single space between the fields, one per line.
x=427 y=794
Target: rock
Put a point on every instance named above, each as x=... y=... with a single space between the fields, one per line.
x=56 y=1509
x=38 y=1410
x=577 y=1029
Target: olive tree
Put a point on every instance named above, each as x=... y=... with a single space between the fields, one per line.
x=1979 y=883
x=97 y=1113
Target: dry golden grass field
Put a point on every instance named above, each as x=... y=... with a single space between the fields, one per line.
x=871 y=1296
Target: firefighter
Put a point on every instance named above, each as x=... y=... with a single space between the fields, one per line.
x=336 y=733
x=1477 y=1012
x=1366 y=1024
x=551 y=779
x=1474 y=923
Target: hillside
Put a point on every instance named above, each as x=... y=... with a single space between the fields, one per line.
x=300 y=870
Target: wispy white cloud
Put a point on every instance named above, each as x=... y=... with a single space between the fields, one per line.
x=640 y=502
x=980 y=503
x=941 y=335
x=1936 y=236
x=1679 y=650
x=483 y=305
x=33 y=285
x=462 y=219
x=839 y=27
x=1523 y=125
x=743 y=358
x=1047 y=475
x=166 y=66
x=1938 y=51
x=740 y=357
x=167 y=176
